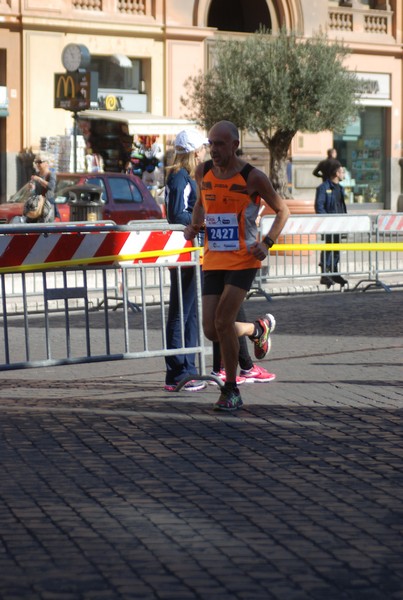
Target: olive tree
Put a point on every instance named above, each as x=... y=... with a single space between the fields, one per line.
x=275 y=85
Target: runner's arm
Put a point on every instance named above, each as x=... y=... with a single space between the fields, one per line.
x=259 y=183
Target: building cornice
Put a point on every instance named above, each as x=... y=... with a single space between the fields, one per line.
x=189 y=33
x=394 y=50
x=99 y=27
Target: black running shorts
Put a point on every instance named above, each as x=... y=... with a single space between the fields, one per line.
x=214 y=281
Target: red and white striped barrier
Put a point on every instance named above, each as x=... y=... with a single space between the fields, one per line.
x=389 y=223
x=121 y=247
x=320 y=224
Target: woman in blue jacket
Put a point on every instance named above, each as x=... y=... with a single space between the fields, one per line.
x=180 y=198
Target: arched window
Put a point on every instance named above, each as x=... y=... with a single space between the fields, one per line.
x=245 y=16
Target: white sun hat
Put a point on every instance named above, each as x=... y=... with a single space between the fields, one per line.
x=189 y=140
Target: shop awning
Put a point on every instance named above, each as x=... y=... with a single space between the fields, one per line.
x=141 y=123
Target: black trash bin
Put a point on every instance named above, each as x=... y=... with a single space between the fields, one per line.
x=85 y=202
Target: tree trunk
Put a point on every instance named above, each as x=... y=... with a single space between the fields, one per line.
x=278 y=146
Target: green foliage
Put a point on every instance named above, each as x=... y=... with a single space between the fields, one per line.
x=275 y=85
x=267 y=82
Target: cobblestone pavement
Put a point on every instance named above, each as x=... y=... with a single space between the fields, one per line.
x=112 y=488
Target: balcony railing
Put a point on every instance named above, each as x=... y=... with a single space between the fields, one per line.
x=360 y=21
x=109 y=10
x=128 y=7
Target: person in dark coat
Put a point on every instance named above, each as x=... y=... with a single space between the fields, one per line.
x=322 y=168
x=330 y=199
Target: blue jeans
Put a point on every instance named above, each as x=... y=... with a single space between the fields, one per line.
x=181 y=365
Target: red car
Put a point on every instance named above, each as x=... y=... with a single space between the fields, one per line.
x=124 y=197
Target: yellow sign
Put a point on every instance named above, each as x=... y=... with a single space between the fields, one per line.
x=65 y=83
x=73 y=90
x=111 y=103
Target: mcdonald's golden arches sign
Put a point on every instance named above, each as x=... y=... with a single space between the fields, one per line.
x=75 y=91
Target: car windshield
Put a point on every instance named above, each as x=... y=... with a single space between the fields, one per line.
x=63 y=183
x=100 y=183
x=21 y=195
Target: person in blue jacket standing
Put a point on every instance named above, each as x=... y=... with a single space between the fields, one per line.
x=180 y=198
x=330 y=199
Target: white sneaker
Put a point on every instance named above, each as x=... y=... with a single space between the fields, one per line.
x=191 y=386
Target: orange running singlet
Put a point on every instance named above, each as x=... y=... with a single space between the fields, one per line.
x=230 y=219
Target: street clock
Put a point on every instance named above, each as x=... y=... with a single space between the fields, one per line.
x=76 y=56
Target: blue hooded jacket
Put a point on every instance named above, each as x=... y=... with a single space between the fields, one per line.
x=325 y=199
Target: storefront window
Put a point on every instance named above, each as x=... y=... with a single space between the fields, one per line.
x=121 y=85
x=361 y=150
x=117 y=72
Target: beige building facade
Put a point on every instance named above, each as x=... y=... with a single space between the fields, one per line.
x=144 y=51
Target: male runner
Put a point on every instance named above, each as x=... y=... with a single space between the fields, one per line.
x=229 y=199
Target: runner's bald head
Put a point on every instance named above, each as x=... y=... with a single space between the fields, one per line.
x=227 y=127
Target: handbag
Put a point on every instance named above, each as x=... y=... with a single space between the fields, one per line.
x=37 y=209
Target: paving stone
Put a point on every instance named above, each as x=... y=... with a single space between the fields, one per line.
x=109 y=485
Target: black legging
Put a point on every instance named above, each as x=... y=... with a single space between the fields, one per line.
x=244 y=358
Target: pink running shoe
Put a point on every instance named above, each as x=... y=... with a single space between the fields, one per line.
x=222 y=375
x=263 y=343
x=257 y=375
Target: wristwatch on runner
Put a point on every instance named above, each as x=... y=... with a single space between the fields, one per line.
x=268 y=242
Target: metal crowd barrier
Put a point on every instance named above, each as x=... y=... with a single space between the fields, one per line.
x=296 y=256
x=95 y=278
x=389 y=229
x=48 y=270
x=62 y=261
